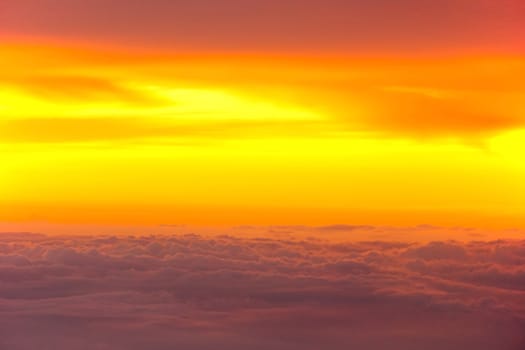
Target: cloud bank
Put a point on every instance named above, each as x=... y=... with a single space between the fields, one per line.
x=197 y=292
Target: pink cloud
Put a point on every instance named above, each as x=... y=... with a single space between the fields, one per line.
x=199 y=292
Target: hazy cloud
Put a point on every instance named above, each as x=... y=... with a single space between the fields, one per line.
x=292 y=25
x=195 y=292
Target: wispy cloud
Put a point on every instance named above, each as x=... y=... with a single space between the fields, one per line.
x=468 y=98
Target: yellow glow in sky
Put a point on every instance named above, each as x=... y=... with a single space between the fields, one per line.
x=94 y=137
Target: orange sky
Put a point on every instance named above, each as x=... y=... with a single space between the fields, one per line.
x=266 y=174
x=109 y=137
x=216 y=129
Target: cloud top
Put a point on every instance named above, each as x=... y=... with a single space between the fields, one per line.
x=198 y=292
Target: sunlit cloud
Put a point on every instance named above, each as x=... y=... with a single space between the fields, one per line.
x=468 y=98
x=269 y=139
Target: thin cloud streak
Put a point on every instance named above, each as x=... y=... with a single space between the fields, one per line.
x=464 y=99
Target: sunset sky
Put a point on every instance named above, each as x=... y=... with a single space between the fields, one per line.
x=262 y=174
x=263 y=112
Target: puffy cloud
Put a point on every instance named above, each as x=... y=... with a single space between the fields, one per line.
x=438 y=250
x=204 y=292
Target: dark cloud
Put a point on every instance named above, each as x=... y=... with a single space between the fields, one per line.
x=78 y=88
x=196 y=292
x=342 y=227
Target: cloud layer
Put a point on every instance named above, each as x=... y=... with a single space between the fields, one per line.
x=197 y=292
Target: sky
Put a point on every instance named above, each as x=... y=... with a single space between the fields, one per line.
x=262 y=112
x=351 y=26
x=262 y=174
